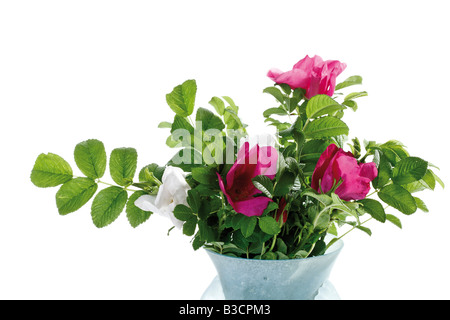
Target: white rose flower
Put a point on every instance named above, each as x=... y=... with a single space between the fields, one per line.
x=172 y=192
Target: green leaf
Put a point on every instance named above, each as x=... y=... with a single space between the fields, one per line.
x=276 y=93
x=154 y=168
x=269 y=225
x=194 y=201
x=204 y=175
x=205 y=232
x=320 y=105
x=180 y=122
x=322 y=198
x=189 y=226
x=408 y=170
x=364 y=229
x=218 y=104
x=374 y=208
x=384 y=172
x=135 y=215
x=209 y=120
x=231 y=103
x=325 y=127
x=90 y=157
x=437 y=179
x=355 y=95
x=421 y=205
x=74 y=194
x=107 y=206
x=182 y=99
x=50 y=170
x=271 y=111
x=393 y=219
x=248 y=225
x=122 y=165
x=353 y=80
x=164 y=125
x=264 y=184
x=320 y=219
x=183 y=213
x=398 y=198
x=284 y=184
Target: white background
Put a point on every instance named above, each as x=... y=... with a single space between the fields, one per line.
x=74 y=70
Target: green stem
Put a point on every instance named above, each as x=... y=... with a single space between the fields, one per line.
x=112 y=185
x=353 y=228
x=273 y=243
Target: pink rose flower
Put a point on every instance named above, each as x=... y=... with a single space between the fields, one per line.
x=239 y=188
x=312 y=74
x=334 y=166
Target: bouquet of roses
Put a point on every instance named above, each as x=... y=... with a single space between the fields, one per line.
x=271 y=199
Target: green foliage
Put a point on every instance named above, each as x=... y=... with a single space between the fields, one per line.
x=399 y=198
x=296 y=221
x=50 y=170
x=182 y=99
x=135 y=215
x=107 y=206
x=74 y=194
x=90 y=157
x=122 y=165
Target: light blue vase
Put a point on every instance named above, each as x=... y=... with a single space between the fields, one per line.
x=294 y=279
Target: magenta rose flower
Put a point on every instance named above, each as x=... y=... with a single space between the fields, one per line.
x=334 y=166
x=239 y=188
x=312 y=74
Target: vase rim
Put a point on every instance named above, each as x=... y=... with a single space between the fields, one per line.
x=334 y=249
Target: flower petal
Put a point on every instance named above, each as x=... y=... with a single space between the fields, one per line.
x=322 y=165
x=147 y=203
x=253 y=206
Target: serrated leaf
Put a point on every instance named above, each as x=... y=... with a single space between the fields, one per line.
x=182 y=99
x=165 y=125
x=182 y=123
x=50 y=170
x=135 y=215
x=209 y=120
x=355 y=95
x=204 y=175
x=74 y=194
x=320 y=105
x=108 y=205
x=218 y=104
x=90 y=157
x=279 y=111
x=394 y=220
x=154 y=168
x=364 y=229
x=421 y=205
x=322 y=198
x=374 y=208
x=351 y=81
x=194 y=200
x=276 y=93
x=183 y=213
x=325 y=127
x=409 y=170
x=189 y=226
x=264 y=184
x=123 y=164
x=248 y=225
x=269 y=225
x=399 y=198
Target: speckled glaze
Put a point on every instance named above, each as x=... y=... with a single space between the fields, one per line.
x=295 y=279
